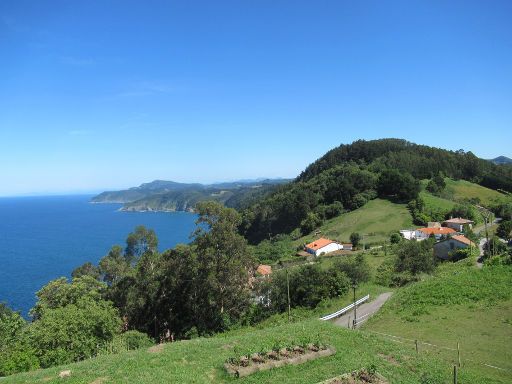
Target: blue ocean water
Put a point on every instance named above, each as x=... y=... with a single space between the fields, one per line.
x=42 y=238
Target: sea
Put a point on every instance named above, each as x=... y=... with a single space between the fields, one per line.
x=43 y=238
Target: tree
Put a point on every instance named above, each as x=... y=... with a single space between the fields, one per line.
x=436 y=184
x=355 y=268
x=115 y=265
x=311 y=222
x=86 y=269
x=414 y=257
x=466 y=211
x=355 y=238
x=139 y=242
x=74 y=332
x=505 y=230
x=395 y=238
x=399 y=184
x=16 y=353
x=60 y=293
x=224 y=266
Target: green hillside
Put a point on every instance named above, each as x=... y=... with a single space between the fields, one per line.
x=377 y=219
x=459 y=304
x=462 y=189
x=201 y=360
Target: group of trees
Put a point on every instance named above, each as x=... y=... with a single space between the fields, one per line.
x=436 y=185
x=194 y=289
x=410 y=260
x=308 y=285
x=71 y=321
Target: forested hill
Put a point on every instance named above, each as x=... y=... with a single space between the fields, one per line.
x=161 y=195
x=346 y=177
x=420 y=161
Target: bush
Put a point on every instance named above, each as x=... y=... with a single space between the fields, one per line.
x=74 y=332
x=126 y=341
x=395 y=238
x=505 y=230
x=18 y=358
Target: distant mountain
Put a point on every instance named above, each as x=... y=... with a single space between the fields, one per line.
x=162 y=195
x=501 y=160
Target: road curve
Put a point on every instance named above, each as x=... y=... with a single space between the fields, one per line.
x=363 y=310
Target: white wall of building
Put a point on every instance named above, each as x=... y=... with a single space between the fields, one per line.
x=332 y=247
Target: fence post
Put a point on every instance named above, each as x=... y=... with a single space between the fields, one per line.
x=454 y=374
x=416 y=343
x=458 y=353
x=348 y=325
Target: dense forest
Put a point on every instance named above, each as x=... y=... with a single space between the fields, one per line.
x=346 y=177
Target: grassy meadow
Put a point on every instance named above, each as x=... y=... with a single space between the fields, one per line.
x=201 y=360
x=462 y=189
x=459 y=304
x=377 y=219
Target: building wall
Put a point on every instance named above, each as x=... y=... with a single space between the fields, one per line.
x=443 y=248
x=458 y=227
x=329 y=248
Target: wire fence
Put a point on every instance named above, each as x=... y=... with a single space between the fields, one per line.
x=416 y=342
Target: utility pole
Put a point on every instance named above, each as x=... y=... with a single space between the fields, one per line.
x=354 y=286
x=486 y=219
x=288 y=290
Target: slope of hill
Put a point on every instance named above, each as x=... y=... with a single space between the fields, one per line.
x=201 y=360
x=462 y=189
x=351 y=175
x=462 y=304
x=161 y=195
x=377 y=219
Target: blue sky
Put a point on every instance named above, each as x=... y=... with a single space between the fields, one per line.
x=101 y=95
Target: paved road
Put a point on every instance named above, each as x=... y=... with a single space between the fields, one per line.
x=363 y=310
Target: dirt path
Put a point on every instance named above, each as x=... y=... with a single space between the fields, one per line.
x=364 y=310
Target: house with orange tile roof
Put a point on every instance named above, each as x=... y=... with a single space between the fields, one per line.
x=458 y=224
x=323 y=246
x=425 y=233
x=444 y=248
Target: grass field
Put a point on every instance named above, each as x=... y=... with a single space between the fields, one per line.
x=435 y=202
x=461 y=189
x=201 y=361
x=377 y=219
x=460 y=304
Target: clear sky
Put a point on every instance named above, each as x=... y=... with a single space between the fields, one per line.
x=101 y=95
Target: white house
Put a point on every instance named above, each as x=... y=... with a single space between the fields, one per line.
x=425 y=233
x=323 y=246
x=443 y=248
x=408 y=234
x=458 y=223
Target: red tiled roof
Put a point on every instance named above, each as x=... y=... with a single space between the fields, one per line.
x=264 y=269
x=437 y=231
x=463 y=239
x=320 y=243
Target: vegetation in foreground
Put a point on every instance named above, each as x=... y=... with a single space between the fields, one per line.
x=201 y=360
